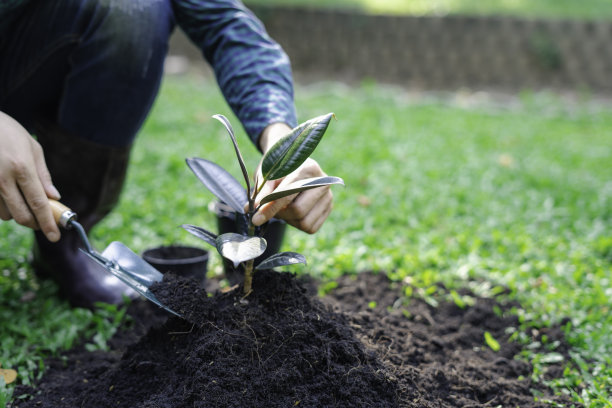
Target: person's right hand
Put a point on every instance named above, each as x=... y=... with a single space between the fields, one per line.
x=25 y=182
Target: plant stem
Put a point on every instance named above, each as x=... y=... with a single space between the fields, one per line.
x=248 y=277
x=248 y=266
x=259 y=188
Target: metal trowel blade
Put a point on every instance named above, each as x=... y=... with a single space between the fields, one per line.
x=130 y=269
x=132 y=264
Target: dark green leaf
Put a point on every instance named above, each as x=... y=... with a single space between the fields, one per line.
x=230 y=130
x=282 y=259
x=292 y=150
x=201 y=233
x=301 y=185
x=240 y=248
x=221 y=183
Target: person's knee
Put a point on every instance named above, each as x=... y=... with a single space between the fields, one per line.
x=135 y=33
x=116 y=68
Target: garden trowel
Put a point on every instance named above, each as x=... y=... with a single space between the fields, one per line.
x=116 y=258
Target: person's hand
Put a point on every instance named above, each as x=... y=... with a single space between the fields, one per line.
x=306 y=210
x=25 y=182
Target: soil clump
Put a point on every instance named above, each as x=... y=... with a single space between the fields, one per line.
x=283 y=346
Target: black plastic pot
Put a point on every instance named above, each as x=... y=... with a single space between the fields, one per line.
x=191 y=262
x=230 y=221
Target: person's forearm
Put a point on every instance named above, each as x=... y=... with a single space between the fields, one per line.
x=252 y=70
x=271 y=134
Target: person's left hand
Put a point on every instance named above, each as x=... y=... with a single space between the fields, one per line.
x=307 y=210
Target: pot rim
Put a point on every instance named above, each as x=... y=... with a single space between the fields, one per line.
x=175 y=261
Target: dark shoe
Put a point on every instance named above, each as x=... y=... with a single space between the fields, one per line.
x=90 y=178
x=81 y=281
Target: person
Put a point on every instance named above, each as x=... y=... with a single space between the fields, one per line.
x=82 y=75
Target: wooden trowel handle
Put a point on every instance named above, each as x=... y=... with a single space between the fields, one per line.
x=62 y=214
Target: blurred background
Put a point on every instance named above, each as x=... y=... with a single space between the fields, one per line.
x=443 y=44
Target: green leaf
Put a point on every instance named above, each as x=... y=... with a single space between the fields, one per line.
x=301 y=185
x=281 y=259
x=292 y=150
x=326 y=288
x=457 y=299
x=491 y=342
x=201 y=233
x=230 y=131
x=221 y=183
x=240 y=248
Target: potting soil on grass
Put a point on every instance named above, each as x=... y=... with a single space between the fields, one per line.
x=283 y=347
x=439 y=354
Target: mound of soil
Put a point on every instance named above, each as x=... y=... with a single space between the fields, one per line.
x=284 y=347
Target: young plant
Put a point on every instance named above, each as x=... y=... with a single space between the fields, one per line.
x=284 y=157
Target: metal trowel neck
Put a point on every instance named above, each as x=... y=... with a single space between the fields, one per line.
x=67 y=219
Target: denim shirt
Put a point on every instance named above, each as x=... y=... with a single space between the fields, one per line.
x=252 y=70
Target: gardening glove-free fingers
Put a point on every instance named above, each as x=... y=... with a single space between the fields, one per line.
x=307 y=210
x=25 y=183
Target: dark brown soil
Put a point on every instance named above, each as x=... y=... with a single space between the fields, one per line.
x=283 y=347
x=438 y=355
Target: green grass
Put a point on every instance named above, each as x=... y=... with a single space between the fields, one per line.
x=477 y=197
x=585 y=9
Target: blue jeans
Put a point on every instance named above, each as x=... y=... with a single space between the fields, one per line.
x=93 y=67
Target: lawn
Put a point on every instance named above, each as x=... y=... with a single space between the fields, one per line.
x=479 y=197
x=585 y=9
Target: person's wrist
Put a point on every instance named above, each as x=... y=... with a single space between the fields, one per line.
x=271 y=134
